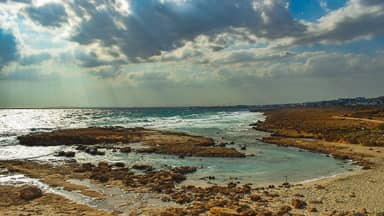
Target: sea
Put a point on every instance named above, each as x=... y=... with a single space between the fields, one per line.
x=265 y=163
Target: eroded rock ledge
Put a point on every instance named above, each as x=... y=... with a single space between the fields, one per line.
x=156 y=141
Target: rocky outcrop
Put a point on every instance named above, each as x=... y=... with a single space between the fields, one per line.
x=163 y=142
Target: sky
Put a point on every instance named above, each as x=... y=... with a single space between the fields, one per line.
x=129 y=53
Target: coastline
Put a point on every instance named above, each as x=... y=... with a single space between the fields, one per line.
x=164 y=192
x=355 y=191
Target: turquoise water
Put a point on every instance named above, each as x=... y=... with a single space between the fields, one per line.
x=269 y=163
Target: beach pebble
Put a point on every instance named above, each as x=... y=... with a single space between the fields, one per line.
x=29 y=192
x=298 y=204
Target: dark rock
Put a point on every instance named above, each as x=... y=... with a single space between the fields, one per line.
x=29 y=192
x=255 y=197
x=313 y=209
x=60 y=154
x=81 y=147
x=177 y=177
x=298 y=204
x=86 y=167
x=119 y=164
x=70 y=154
x=65 y=154
x=94 y=151
x=145 y=167
x=231 y=185
x=126 y=150
x=184 y=169
x=103 y=179
x=284 y=210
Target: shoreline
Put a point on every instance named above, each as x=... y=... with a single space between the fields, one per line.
x=347 y=192
x=358 y=190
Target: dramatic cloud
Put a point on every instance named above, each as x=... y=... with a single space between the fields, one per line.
x=8 y=48
x=49 y=15
x=358 y=19
x=148 y=27
x=183 y=52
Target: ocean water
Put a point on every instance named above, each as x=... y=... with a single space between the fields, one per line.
x=269 y=163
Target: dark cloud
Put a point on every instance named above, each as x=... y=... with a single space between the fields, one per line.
x=152 y=26
x=49 y=15
x=8 y=48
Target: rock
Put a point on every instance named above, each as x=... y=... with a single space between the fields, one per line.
x=184 y=169
x=362 y=211
x=245 y=210
x=298 y=204
x=119 y=164
x=218 y=211
x=103 y=165
x=81 y=147
x=94 y=151
x=85 y=167
x=177 y=177
x=231 y=185
x=312 y=209
x=126 y=150
x=243 y=147
x=65 y=154
x=102 y=178
x=255 y=197
x=70 y=154
x=29 y=192
x=284 y=210
x=286 y=185
x=145 y=167
x=60 y=154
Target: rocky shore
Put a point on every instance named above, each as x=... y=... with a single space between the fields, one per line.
x=354 y=193
x=154 y=141
x=354 y=133
x=30 y=200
